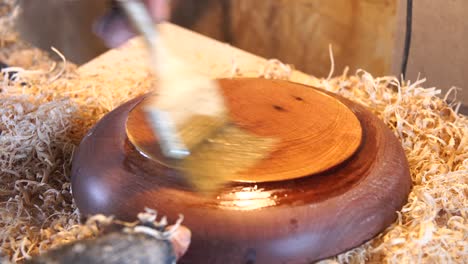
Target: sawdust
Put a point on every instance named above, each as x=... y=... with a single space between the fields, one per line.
x=432 y=227
x=44 y=114
x=46 y=110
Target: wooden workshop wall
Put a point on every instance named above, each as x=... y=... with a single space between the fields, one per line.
x=63 y=24
x=439 y=45
x=297 y=32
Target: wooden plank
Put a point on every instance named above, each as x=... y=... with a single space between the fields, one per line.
x=128 y=64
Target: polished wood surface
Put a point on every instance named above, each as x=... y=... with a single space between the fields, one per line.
x=314 y=131
x=291 y=221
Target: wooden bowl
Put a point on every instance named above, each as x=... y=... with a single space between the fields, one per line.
x=335 y=179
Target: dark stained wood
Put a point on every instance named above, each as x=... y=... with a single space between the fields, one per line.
x=295 y=221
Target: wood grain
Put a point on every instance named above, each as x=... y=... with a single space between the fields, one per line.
x=315 y=131
x=292 y=221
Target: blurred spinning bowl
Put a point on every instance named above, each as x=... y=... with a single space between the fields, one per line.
x=335 y=178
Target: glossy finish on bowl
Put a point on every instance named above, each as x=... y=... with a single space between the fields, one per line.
x=292 y=221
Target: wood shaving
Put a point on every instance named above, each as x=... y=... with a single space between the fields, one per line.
x=275 y=69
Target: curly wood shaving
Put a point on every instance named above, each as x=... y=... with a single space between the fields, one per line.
x=332 y=62
x=275 y=69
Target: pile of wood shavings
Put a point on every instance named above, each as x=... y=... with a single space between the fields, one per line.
x=44 y=114
x=433 y=226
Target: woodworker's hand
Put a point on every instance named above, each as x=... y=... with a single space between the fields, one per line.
x=181 y=241
x=115 y=29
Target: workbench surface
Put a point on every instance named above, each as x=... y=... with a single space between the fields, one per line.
x=128 y=64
